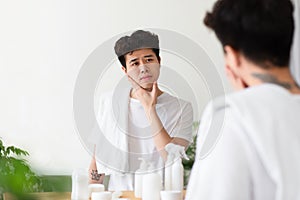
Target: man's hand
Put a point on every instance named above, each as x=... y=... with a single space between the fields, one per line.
x=148 y=98
x=236 y=81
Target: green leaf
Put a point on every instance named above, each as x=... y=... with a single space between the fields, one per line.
x=16 y=175
x=16 y=151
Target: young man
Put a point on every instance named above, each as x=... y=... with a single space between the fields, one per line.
x=148 y=118
x=256 y=155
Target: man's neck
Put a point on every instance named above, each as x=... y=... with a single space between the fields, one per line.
x=132 y=94
x=275 y=75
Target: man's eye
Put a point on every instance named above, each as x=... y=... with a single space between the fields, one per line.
x=135 y=64
x=149 y=60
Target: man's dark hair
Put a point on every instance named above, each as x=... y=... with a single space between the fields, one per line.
x=262 y=30
x=137 y=40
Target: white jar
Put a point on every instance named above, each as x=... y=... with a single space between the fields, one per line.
x=152 y=186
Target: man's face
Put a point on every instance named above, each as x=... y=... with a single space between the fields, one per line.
x=143 y=66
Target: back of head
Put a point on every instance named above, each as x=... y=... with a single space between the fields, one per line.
x=137 y=40
x=262 y=30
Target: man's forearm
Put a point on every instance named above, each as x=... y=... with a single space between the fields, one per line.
x=160 y=135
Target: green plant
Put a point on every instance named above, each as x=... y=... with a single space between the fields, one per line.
x=16 y=175
x=191 y=153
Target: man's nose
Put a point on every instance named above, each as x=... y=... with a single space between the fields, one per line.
x=143 y=68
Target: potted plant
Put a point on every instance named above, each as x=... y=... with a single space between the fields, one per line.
x=16 y=175
x=190 y=152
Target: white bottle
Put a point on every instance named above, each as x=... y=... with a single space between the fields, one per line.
x=80 y=185
x=152 y=185
x=174 y=172
x=168 y=172
x=138 y=178
x=177 y=175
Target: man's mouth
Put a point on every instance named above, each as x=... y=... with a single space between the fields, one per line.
x=145 y=78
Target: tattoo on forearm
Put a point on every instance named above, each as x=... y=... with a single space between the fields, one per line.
x=271 y=79
x=95 y=175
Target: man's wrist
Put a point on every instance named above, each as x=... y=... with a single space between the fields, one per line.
x=151 y=113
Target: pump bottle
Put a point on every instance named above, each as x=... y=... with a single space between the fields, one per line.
x=174 y=168
x=138 y=178
x=177 y=175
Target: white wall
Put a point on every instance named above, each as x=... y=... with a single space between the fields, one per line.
x=295 y=58
x=43 y=44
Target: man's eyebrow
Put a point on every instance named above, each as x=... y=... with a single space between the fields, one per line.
x=133 y=60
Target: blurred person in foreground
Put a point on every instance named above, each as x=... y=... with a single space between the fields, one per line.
x=256 y=153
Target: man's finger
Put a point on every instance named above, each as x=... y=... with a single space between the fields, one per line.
x=154 y=88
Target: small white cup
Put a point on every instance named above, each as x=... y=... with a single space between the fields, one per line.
x=101 y=195
x=95 y=187
x=171 y=195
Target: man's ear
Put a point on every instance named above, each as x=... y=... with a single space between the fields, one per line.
x=124 y=69
x=159 y=59
x=232 y=58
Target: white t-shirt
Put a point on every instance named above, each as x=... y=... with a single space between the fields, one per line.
x=176 y=116
x=256 y=155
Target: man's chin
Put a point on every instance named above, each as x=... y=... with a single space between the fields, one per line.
x=147 y=86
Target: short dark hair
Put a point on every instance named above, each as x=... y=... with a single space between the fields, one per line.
x=262 y=30
x=139 y=39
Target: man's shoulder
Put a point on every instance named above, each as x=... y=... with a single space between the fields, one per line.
x=262 y=95
x=168 y=98
x=268 y=98
x=264 y=91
